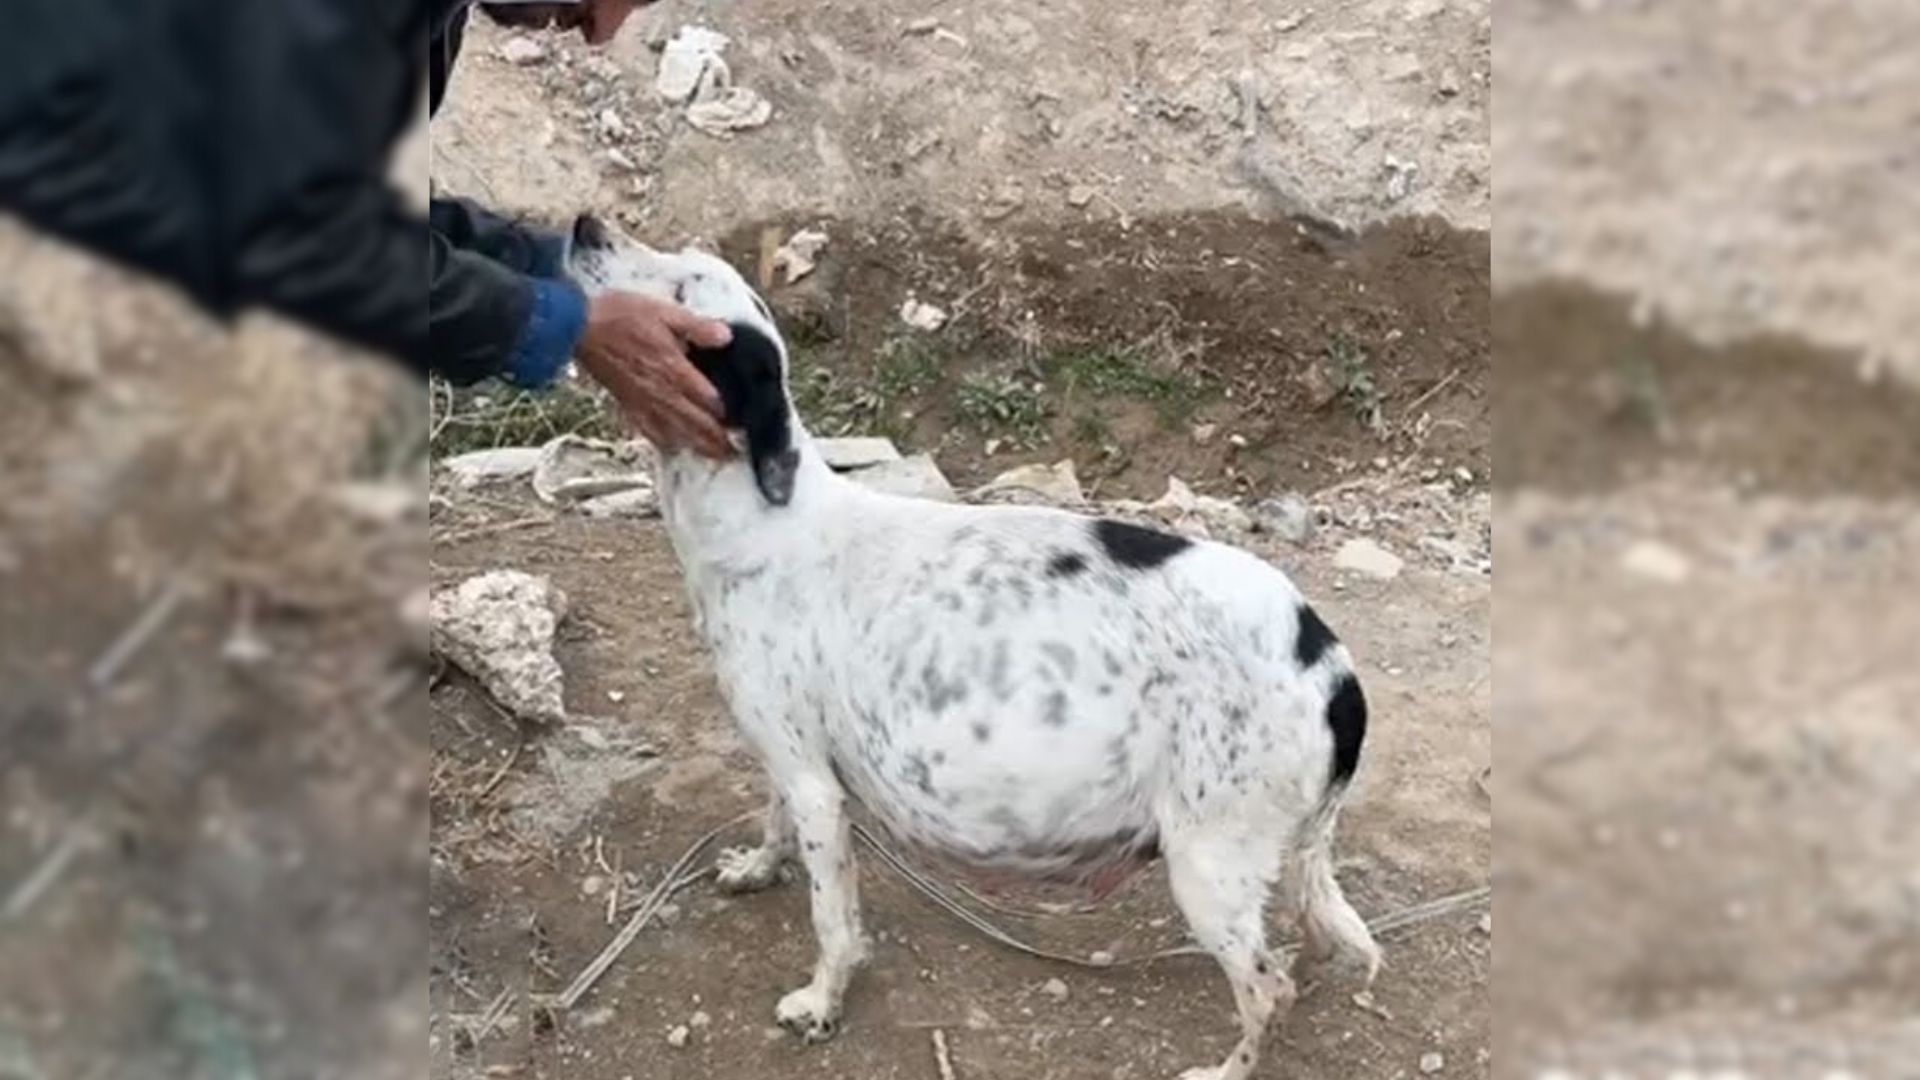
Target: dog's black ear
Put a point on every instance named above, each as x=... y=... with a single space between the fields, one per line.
x=590 y=233
x=747 y=373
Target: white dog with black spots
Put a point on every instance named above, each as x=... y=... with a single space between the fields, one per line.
x=1020 y=691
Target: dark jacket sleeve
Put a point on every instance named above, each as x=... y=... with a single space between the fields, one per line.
x=240 y=151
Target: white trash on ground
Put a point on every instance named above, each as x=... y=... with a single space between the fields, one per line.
x=694 y=74
x=572 y=468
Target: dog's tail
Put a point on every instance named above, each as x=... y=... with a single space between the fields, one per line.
x=1331 y=926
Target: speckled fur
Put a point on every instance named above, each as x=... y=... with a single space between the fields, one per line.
x=1015 y=689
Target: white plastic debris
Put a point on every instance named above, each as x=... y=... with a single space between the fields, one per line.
x=687 y=61
x=572 y=468
x=486 y=466
x=922 y=316
x=797 y=257
x=734 y=108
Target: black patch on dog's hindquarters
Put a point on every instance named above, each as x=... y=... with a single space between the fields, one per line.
x=1137 y=548
x=747 y=372
x=1066 y=564
x=1347 y=719
x=1314 y=638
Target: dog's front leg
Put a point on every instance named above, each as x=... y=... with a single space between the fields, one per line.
x=742 y=869
x=826 y=849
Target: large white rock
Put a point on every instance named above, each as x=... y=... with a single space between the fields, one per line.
x=499 y=627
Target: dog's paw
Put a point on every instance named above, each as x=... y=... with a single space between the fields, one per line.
x=809 y=1015
x=741 y=869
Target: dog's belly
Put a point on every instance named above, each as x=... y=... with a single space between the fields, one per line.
x=1008 y=817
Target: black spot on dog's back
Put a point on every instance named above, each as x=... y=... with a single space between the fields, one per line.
x=1314 y=638
x=1347 y=719
x=1134 y=547
x=1067 y=564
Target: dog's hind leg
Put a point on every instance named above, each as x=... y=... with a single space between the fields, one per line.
x=826 y=848
x=1220 y=879
x=744 y=869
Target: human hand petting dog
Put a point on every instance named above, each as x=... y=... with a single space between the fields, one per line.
x=636 y=347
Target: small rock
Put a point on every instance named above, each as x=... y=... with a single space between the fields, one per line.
x=1655 y=560
x=1034 y=485
x=678 y=1037
x=594 y=885
x=842 y=455
x=611 y=125
x=1287 y=517
x=619 y=159
x=1056 y=989
x=616 y=696
x=925 y=24
x=922 y=316
x=1431 y=1063
x=1237 y=441
x=523 y=51
x=1204 y=433
x=1201 y=515
x=1367 y=558
x=915 y=477
x=1486 y=923
x=1079 y=195
x=699 y=1019
x=1101 y=958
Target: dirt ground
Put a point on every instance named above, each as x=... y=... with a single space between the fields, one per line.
x=1708 y=508
x=1135 y=284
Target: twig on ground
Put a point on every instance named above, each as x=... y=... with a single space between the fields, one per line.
x=42 y=877
x=940 y=1057
x=500 y=773
x=675 y=878
x=461 y=536
x=136 y=635
x=1406 y=415
x=496 y=1012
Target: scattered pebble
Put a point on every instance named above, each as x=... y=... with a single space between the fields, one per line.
x=1056 y=989
x=922 y=316
x=1655 y=560
x=678 y=1037
x=594 y=885
x=1431 y=1063
x=1287 y=517
x=925 y=24
x=699 y=1019
x=1101 y=958
x=1079 y=195
x=616 y=696
x=1486 y=923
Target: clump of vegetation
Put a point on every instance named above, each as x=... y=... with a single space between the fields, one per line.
x=1355 y=381
x=1003 y=404
x=494 y=415
x=834 y=401
x=1111 y=372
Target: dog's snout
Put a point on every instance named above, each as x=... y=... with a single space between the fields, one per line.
x=590 y=233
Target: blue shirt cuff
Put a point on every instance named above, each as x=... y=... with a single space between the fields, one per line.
x=550 y=254
x=554 y=321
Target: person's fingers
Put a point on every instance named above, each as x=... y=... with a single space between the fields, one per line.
x=700 y=432
x=679 y=373
x=695 y=330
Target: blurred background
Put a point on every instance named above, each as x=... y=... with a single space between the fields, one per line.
x=213 y=759
x=1707 y=461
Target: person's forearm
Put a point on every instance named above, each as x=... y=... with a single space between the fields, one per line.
x=468 y=226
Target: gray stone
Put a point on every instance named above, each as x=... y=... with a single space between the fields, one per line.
x=916 y=477
x=1368 y=559
x=638 y=502
x=1034 y=485
x=1288 y=517
x=856 y=453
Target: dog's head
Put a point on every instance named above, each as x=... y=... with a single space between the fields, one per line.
x=750 y=372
